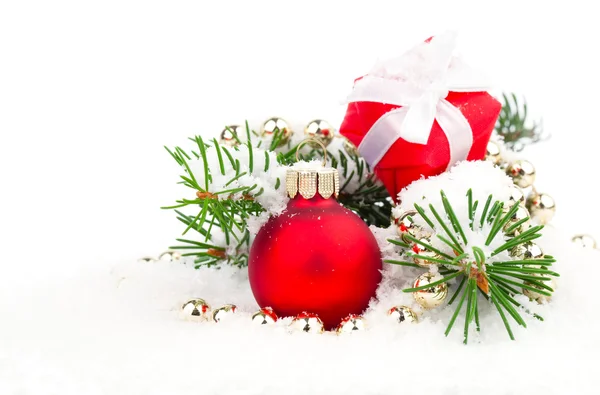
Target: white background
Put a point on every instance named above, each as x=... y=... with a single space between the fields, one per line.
x=90 y=91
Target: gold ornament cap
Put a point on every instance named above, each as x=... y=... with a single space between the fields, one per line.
x=307 y=181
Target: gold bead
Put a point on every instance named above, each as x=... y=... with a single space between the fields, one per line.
x=352 y=323
x=275 y=124
x=541 y=206
x=522 y=172
x=424 y=252
x=227 y=135
x=264 y=316
x=403 y=314
x=307 y=322
x=169 y=256
x=585 y=241
x=430 y=298
x=492 y=153
x=319 y=130
x=528 y=250
x=406 y=225
x=519 y=215
x=350 y=148
x=516 y=196
x=196 y=309
x=223 y=312
x=537 y=296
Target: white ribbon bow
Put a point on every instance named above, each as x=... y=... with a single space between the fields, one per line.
x=418 y=81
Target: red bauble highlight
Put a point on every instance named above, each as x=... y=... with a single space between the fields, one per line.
x=317 y=256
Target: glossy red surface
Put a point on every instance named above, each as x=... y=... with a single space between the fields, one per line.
x=318 y=257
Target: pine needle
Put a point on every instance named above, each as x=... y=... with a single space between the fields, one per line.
x=496 y=281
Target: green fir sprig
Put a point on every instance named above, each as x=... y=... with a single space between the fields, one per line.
x=496 y=281
x=513 y=124
x=227 y=210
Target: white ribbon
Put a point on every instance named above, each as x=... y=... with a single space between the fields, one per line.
x=418 y=81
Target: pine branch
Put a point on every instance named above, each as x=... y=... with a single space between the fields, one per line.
x=513 y=124
x=225 y=210
x=497 y=281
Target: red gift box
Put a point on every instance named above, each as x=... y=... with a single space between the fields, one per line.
x=401 y=152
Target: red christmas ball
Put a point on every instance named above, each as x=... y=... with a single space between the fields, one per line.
x=317 y=256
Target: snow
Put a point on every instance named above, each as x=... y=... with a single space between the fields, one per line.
x=118 y=330
x=482 y=178
x=273 y=200
x=91 y=91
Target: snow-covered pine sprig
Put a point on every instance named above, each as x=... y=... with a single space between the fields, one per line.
x=237 y=187
x=497 y=280
x=513 y=124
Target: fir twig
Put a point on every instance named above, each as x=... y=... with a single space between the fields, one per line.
x=227 y=209
x=514 y=126
x=496 y=281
